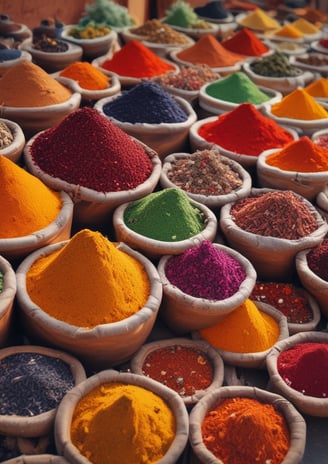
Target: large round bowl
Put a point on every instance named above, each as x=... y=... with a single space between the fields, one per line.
x=93 y=47
x=7 y=298
x=64 y=416
x=15 y=149
x=103 y=346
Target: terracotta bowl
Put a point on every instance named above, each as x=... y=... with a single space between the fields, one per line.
x=15 y=149
x=94 y=47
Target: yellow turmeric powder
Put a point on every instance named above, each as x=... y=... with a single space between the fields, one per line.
x=122 y=424
x=244 y=330
x=318 y=88
x=89 y=281
x=299 y=105
x=305 y=26
x=259 y=20
x=27 y=205
x=28 y=85
x=289 y=31
x=301 y=155
x=87 y=76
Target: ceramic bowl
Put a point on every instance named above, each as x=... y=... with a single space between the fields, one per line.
x=296 y=422
x=286 y=47
x=15 y=149
x=88 y=95
x=58 y=230
x=316 y=69
x=163 y=138
x=35 y=119
x=185 y=313
x=196 y=33
x=99 y=347
x=310 y=405
x=7 y=297
x=214 y=106
x=91 y=48
x=253 y=360
x=42 y=424
x=285 y=85
x=52 y=61
x=5 y=65
x=307 y=184
x=317 y=47
x=138 y=361
x=154 y=249
x=67 y=407
x=90 y=206
x=211 y=201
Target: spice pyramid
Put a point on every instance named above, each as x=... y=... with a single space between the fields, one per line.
x=318 y=88
x=259 y=20
x=299 y=105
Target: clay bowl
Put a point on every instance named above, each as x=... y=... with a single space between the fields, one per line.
x=7 y=298
x=15 y=149
x=94 y=47
x=5 y=65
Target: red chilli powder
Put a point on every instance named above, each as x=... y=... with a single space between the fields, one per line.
x=304 y=367
x=245 y=42
x=228 y=131
x=87 y=149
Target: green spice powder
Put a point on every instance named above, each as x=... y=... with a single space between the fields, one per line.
x=166 y=215
x=237 y=88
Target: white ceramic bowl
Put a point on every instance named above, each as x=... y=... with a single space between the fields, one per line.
x=91 y=48
x=99 y=347
x=156 y=248
x=52 y=61
x=296 y=422
x=185 y=313
x=66 y=409
x=163 y=138
x=138 y=360
x=7 y=298
x=309 y=405
x=307 y=184
x=315 y=45
x=90 y=206
x=315 y=69
x=286 y=47
x=58 y=230
x=15 y=149
x=5 y=65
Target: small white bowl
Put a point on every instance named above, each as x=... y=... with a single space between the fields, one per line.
x=5 y=65
x=52 y=61
x=58 y=230
x=307 y=184
x=7 y=298
x=91 y=48
x=284 y=47
x=284 y=85
x=163 y=138
x=315 y=69
x=67 y=407
x=308 y=405
x=295 y=421
x=15 y=149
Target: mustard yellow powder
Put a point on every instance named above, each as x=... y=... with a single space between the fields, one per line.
x=304 y=26
x=259 y=20
x=299 y=105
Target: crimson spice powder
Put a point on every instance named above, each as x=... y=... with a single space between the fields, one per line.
x=185 y=370
x=317 y=260
x=304 y=367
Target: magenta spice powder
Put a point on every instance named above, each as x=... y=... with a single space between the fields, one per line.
x=206 y=272
x=87 y=149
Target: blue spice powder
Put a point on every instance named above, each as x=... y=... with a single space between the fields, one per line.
x=146 y=102
x=7 y=54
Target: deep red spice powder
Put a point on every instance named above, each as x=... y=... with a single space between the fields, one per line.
x=290 y=299
x=228 y=131
x=87 y=149
x=304 y=367
x=245 y=42
x=317 y=259
x=185 y=370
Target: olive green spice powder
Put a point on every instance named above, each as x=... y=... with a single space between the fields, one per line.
x=166 y=215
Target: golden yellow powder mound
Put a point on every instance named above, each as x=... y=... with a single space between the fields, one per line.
x=299 y=105
x=259 y=20
x=27 y=205
x=289 y=31
x=88 y=282
x=305 y=26
x=28 y=85
x=318 y=88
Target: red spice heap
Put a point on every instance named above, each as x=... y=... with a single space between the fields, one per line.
x=228 y=131
x=317 y=259
x=136 y=60
x=87 y=149
x=245 y=42
x=304 y=367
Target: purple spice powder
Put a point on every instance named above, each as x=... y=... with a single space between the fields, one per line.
x=206 y=272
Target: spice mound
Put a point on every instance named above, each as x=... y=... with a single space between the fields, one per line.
x=245 y=42
x=50 y=45
x=212 y=10
x=136 y=60
x=27 y=205
x=181 y=14
x=147 y=103
x=249 y=431
x=275 y=65
x=88 y=150
x=28 y=85
x=204 y=172
x=184 y=369
x=87 y=76
x=317 y=260
x=158 y=32
x=289 y=298
x=188 y=77
x=280 y=214
x=120 y=285
x=245 y=330
x=206 y=271
x=304 y=367
x=179 y=219
x=263 y=133
x=100 y=417
x=299 y=105
x=32 y=383
x=318 y=87
x=259 y=20
x=106 y=13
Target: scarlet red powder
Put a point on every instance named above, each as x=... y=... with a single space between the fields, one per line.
x=228 y=131
x=246 y=43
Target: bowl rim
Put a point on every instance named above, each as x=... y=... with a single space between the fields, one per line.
x=73 y=49
x=56 y=108
x=111 y=35
x=222 y=69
